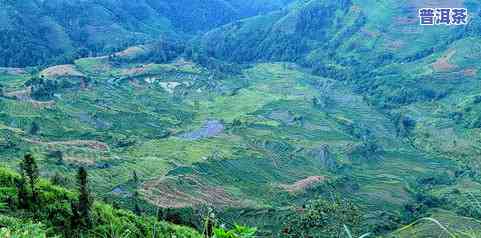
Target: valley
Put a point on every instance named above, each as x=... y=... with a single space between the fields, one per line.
x=259 y=114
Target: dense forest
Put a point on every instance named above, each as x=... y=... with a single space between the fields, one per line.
x=56 y=32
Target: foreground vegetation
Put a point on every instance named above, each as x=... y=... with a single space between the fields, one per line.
x=33 y=207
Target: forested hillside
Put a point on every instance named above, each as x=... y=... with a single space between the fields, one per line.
x=36 y=33
x=33 y=207
x=336 y=30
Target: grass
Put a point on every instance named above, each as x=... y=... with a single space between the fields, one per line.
x=349 y=234
x=13 y=82
x=109 y=222
x=442 y=224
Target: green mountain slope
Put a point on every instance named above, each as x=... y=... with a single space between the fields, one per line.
x=44 y=32
x=425 y=79
x=380 y=51
x=282 y=35
x=52 y=218
x=247 y=141
x=349 y=31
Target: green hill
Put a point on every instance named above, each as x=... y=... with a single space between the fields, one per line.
x=47 y=32
x=52 y=217
x=346 y=31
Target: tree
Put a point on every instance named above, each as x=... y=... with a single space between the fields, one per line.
x=404 y=124
x=237 y=232
x=42 y=89
x=209 y=222
x=137 y=209
x=34 y=128
x=324 y=218
x=75 y=219
x=30 y=171
x=135 y=177
x=22 y=193
x=85 y=201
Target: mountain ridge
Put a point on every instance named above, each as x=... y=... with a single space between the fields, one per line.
x=43 y=32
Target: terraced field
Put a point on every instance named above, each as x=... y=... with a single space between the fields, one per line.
x=261 y=116
x=264 y=139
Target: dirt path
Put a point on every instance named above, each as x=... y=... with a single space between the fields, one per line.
x=12 y=71
x=91 y=144
x=303 y=184
x=66 y=70
x=24 y=95
x=443 y=65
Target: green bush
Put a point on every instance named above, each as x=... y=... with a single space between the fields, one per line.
x=237 y=232
x=53 y=216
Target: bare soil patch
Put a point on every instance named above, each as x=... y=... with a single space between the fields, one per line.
x=23 y=94
x=443 y=64
x=186 y=191
x=39 y=104
x=66 y=70
x=79 y=161
x=91 y=144
x=134 y=71
x=470 y=72
x=131 y=52
x=303 y=184
x=12 y=71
